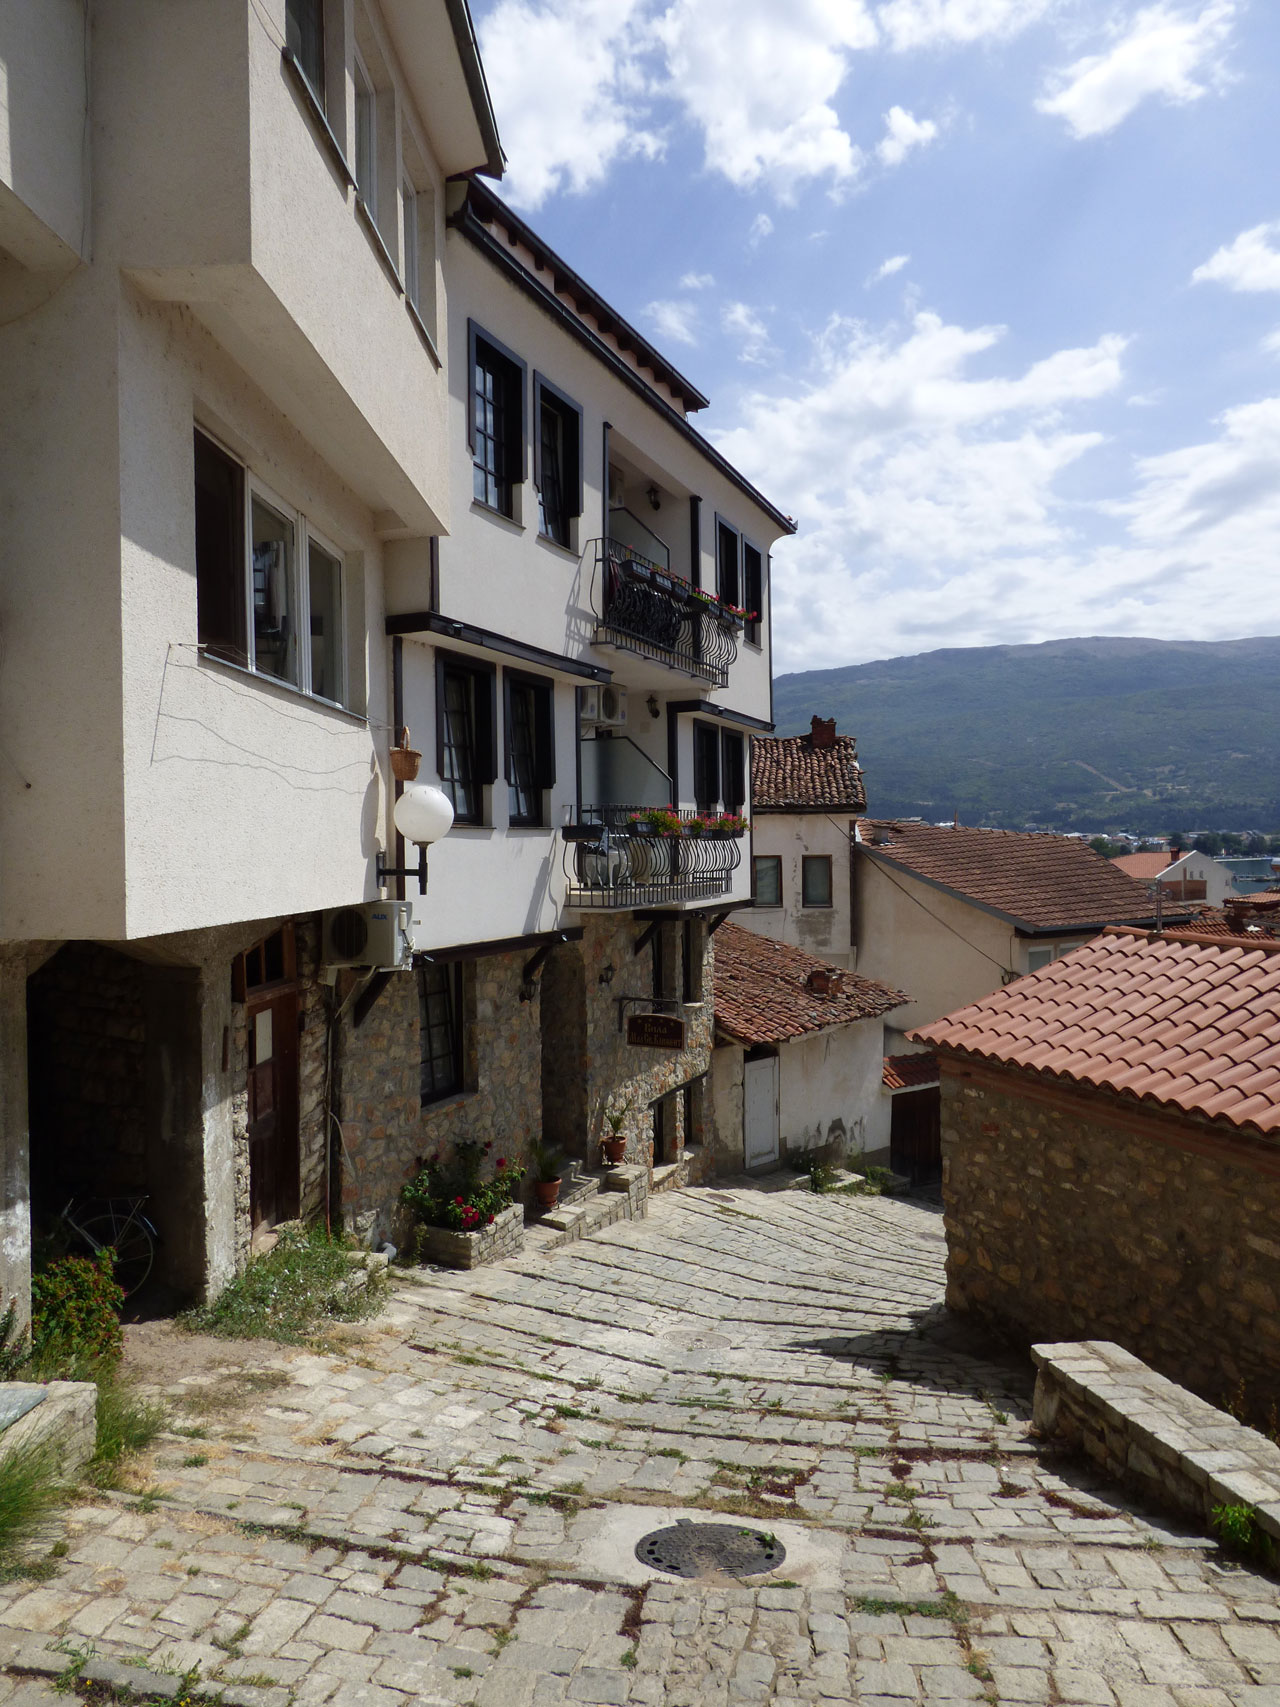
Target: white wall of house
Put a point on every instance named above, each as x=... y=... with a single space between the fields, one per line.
x=942 y=951
x=1202 y=868
x=824 y=931
x=43 y=59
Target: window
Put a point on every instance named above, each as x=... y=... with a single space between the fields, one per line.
x=733 y=771
x=220 y=553
x=496 y=424
x=1038 y=957
x=557 y=470
x=753 y=590
x=706 y=767
x=366 y=136
x=466 y=753
x=409 y=225
x=324 y=590
x=815 y=880
x=271 y=594
x=304 y=38
x=691 y=961
x=440 y=1018
x=727 y=585
x=766 y=880
x=531 y=755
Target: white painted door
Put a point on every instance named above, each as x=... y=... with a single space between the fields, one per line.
x=760 y=1113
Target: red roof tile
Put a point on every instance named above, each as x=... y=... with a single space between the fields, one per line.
x=1146 y=867
x=790 y=774
x=762 y=994
x=1182 y=1021
x=910 y=1072
x=1038 y=882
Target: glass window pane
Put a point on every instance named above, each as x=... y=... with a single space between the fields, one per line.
x=275 y=647
x=439 y=1021
x=304 y=37
x=459 y=741
x=525 y=796
x=768 y=880
x=324 y=583
x=219 y=552
x=366 y=137
x=816 y=880
x=553 y=511
x=409 y=206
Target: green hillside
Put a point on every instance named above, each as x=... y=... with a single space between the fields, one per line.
x=1071 y=735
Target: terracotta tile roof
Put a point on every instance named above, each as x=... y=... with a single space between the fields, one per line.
x=1181 y=1021
x=1038 y=882
x=762 y=995
x=1146 y=867
x=910 y=1072
x=1240 y=918
x=790 y=774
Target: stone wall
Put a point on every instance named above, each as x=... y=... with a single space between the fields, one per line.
x=377 y=1088
x=1069 y=1217
x=503 y=1237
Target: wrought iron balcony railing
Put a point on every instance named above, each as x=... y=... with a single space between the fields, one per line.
x=643 y=609
x=630 y=867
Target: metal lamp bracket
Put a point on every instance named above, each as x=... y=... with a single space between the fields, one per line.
x=386 y=872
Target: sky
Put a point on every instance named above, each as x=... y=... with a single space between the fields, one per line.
x=985 y=293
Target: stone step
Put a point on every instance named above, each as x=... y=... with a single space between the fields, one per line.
x=620 y=1194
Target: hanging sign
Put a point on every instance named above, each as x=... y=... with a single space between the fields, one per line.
x=655 y=1031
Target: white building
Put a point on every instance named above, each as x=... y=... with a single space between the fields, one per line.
x=1189 y=876
x=236 y=345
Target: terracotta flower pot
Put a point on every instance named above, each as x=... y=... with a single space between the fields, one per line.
x=547 y=1192
x=615 y=1150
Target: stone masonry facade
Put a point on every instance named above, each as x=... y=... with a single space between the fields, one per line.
x=1069 y=1217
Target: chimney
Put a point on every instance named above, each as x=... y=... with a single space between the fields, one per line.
x=822 y=732
x=826 y=981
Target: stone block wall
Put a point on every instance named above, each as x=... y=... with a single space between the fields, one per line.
x=1069 y=1217
x=504 y=1237
x=378 y=1098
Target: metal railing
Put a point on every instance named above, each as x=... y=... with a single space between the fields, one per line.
x=629 y=867
x=643 y=609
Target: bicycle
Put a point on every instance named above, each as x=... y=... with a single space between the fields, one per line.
x=116 y=1224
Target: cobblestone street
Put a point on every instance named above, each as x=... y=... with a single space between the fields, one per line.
x=448 y=1512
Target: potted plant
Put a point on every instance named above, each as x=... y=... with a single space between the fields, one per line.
x=657 y=821
x=730 y=824
x=548 y=1170
x=615 y=1140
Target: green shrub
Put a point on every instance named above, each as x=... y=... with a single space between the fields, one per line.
x=455 y=1193
x=289 y=1291
x=75 y=1317
x=1236 y=1527
x=30 y=1490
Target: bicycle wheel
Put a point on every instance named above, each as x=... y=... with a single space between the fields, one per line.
x=128 y=1238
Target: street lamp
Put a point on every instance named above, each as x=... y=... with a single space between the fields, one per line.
x=423 y=814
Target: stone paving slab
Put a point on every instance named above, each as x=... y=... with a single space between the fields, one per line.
x=447 y=1512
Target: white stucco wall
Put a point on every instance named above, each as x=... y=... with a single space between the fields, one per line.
x=824 y=931
x=44 y=66
x=941 y=951
x=1202 y=868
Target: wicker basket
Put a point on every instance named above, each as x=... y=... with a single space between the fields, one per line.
x=405 y=760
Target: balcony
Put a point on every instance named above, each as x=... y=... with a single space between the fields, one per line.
x=641 y=608
x=610 y=861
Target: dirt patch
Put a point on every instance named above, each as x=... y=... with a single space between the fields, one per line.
x=162 y=1355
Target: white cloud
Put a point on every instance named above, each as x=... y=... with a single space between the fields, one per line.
x=673 y=321
x=1250 y=263
x=1271 y=343
x=933 y=23
x=760 y=79
x=1169 y=51
x=697 y=281
x=761 y=227
x=888 y=268
x=903 y=132
x=742 y=322
x=566 y=80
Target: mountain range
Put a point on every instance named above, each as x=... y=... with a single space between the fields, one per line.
x=1091 y=734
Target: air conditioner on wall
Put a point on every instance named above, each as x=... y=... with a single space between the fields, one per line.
x=613 y=708
x=375 y=933
x=588 y=705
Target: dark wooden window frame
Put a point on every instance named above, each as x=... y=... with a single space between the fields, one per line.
x=221 y=614
x=733 y=770
x=815 y=862
x=446 y=979
x=571 y=475
x=510 y=448
x=544 y=738
x=484 y=734
x=728 y=589
x=753 y=574
x=706 y=766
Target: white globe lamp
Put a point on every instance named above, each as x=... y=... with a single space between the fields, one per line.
x=422 y=815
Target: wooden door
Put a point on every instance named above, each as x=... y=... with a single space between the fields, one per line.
x=915 y=1135
x=760 y=1113
x=273 y=1108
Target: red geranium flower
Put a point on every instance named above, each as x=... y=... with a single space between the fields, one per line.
x=491 y=1218
x=502 y=1162
x=457 y=1200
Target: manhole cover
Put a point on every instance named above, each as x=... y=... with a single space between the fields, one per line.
x=710 y=1549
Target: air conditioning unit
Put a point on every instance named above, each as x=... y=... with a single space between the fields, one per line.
x=588 y=705
x=613 y=708
x=376 y=933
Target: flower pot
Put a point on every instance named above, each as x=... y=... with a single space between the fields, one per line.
x=615 y=1150
x=405 y=760
x=547 y=1192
